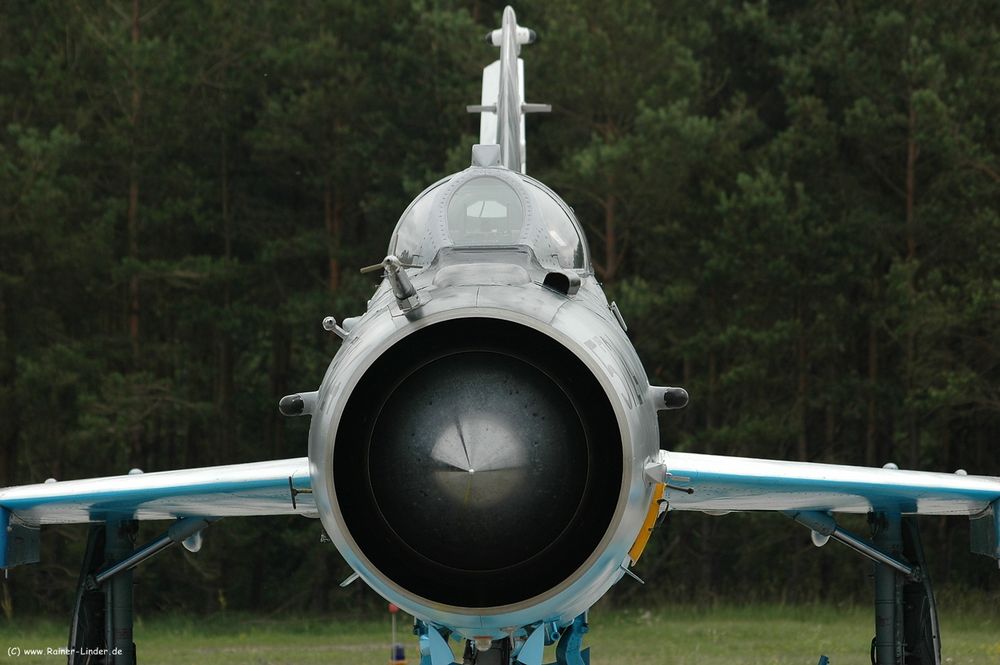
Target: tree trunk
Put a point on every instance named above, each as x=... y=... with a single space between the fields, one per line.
x=260 y=573
x=280 y=360
x=8 y=409
x=871 y=441
x=133 y=188
x=801 y=397
x=226 y=387
x=830 y=439
x=610 y=236
x=333 y=214
x=132 y=218
x=912 y=152
x=710 y=423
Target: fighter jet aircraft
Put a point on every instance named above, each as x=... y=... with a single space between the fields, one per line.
x=483 y=449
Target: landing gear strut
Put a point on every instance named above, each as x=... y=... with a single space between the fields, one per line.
x=101 y=631
x=906 y=625
x=526 y=650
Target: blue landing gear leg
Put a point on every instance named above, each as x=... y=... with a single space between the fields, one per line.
x=568 y=650
x=434 y=649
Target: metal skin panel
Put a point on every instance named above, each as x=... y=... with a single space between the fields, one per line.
x=259 y=488
x=741 y=484
x=595 y=337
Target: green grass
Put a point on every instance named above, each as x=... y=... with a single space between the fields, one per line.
x=757 y=635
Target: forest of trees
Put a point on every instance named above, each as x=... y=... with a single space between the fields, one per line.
x=794 y=204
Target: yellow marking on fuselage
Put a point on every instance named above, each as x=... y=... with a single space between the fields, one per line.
x=647 y=526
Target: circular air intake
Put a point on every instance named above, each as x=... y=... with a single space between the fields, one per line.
x=478 y=463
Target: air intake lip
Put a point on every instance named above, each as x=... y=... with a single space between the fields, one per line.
x=479 y=464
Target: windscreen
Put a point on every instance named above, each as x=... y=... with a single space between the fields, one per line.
x=490 y=208
x=485 y=211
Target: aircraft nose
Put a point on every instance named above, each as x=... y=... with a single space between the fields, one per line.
x=488 y=446
x=474 y=453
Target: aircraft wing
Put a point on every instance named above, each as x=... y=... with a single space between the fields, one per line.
x=259 y=488
x=723 y=484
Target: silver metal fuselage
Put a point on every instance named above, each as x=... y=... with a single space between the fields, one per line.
x=583 y=324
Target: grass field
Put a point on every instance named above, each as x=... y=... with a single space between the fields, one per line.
x=757 y=635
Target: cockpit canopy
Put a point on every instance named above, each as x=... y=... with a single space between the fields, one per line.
x=491 y=207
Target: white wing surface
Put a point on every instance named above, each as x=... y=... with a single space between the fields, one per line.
x=259 y=488
x=723 y=484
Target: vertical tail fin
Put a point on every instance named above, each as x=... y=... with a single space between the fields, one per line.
x=503 y=107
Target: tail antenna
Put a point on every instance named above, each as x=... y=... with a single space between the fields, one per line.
x=503 y=106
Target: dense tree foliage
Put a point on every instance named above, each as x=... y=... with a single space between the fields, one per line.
x=794 y=204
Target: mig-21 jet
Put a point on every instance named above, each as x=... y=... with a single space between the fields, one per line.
x=484 y=446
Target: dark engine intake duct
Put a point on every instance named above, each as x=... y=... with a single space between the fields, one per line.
x=480 y=464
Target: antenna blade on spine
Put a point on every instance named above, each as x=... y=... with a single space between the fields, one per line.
x=509 y=95
x=502 y=107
